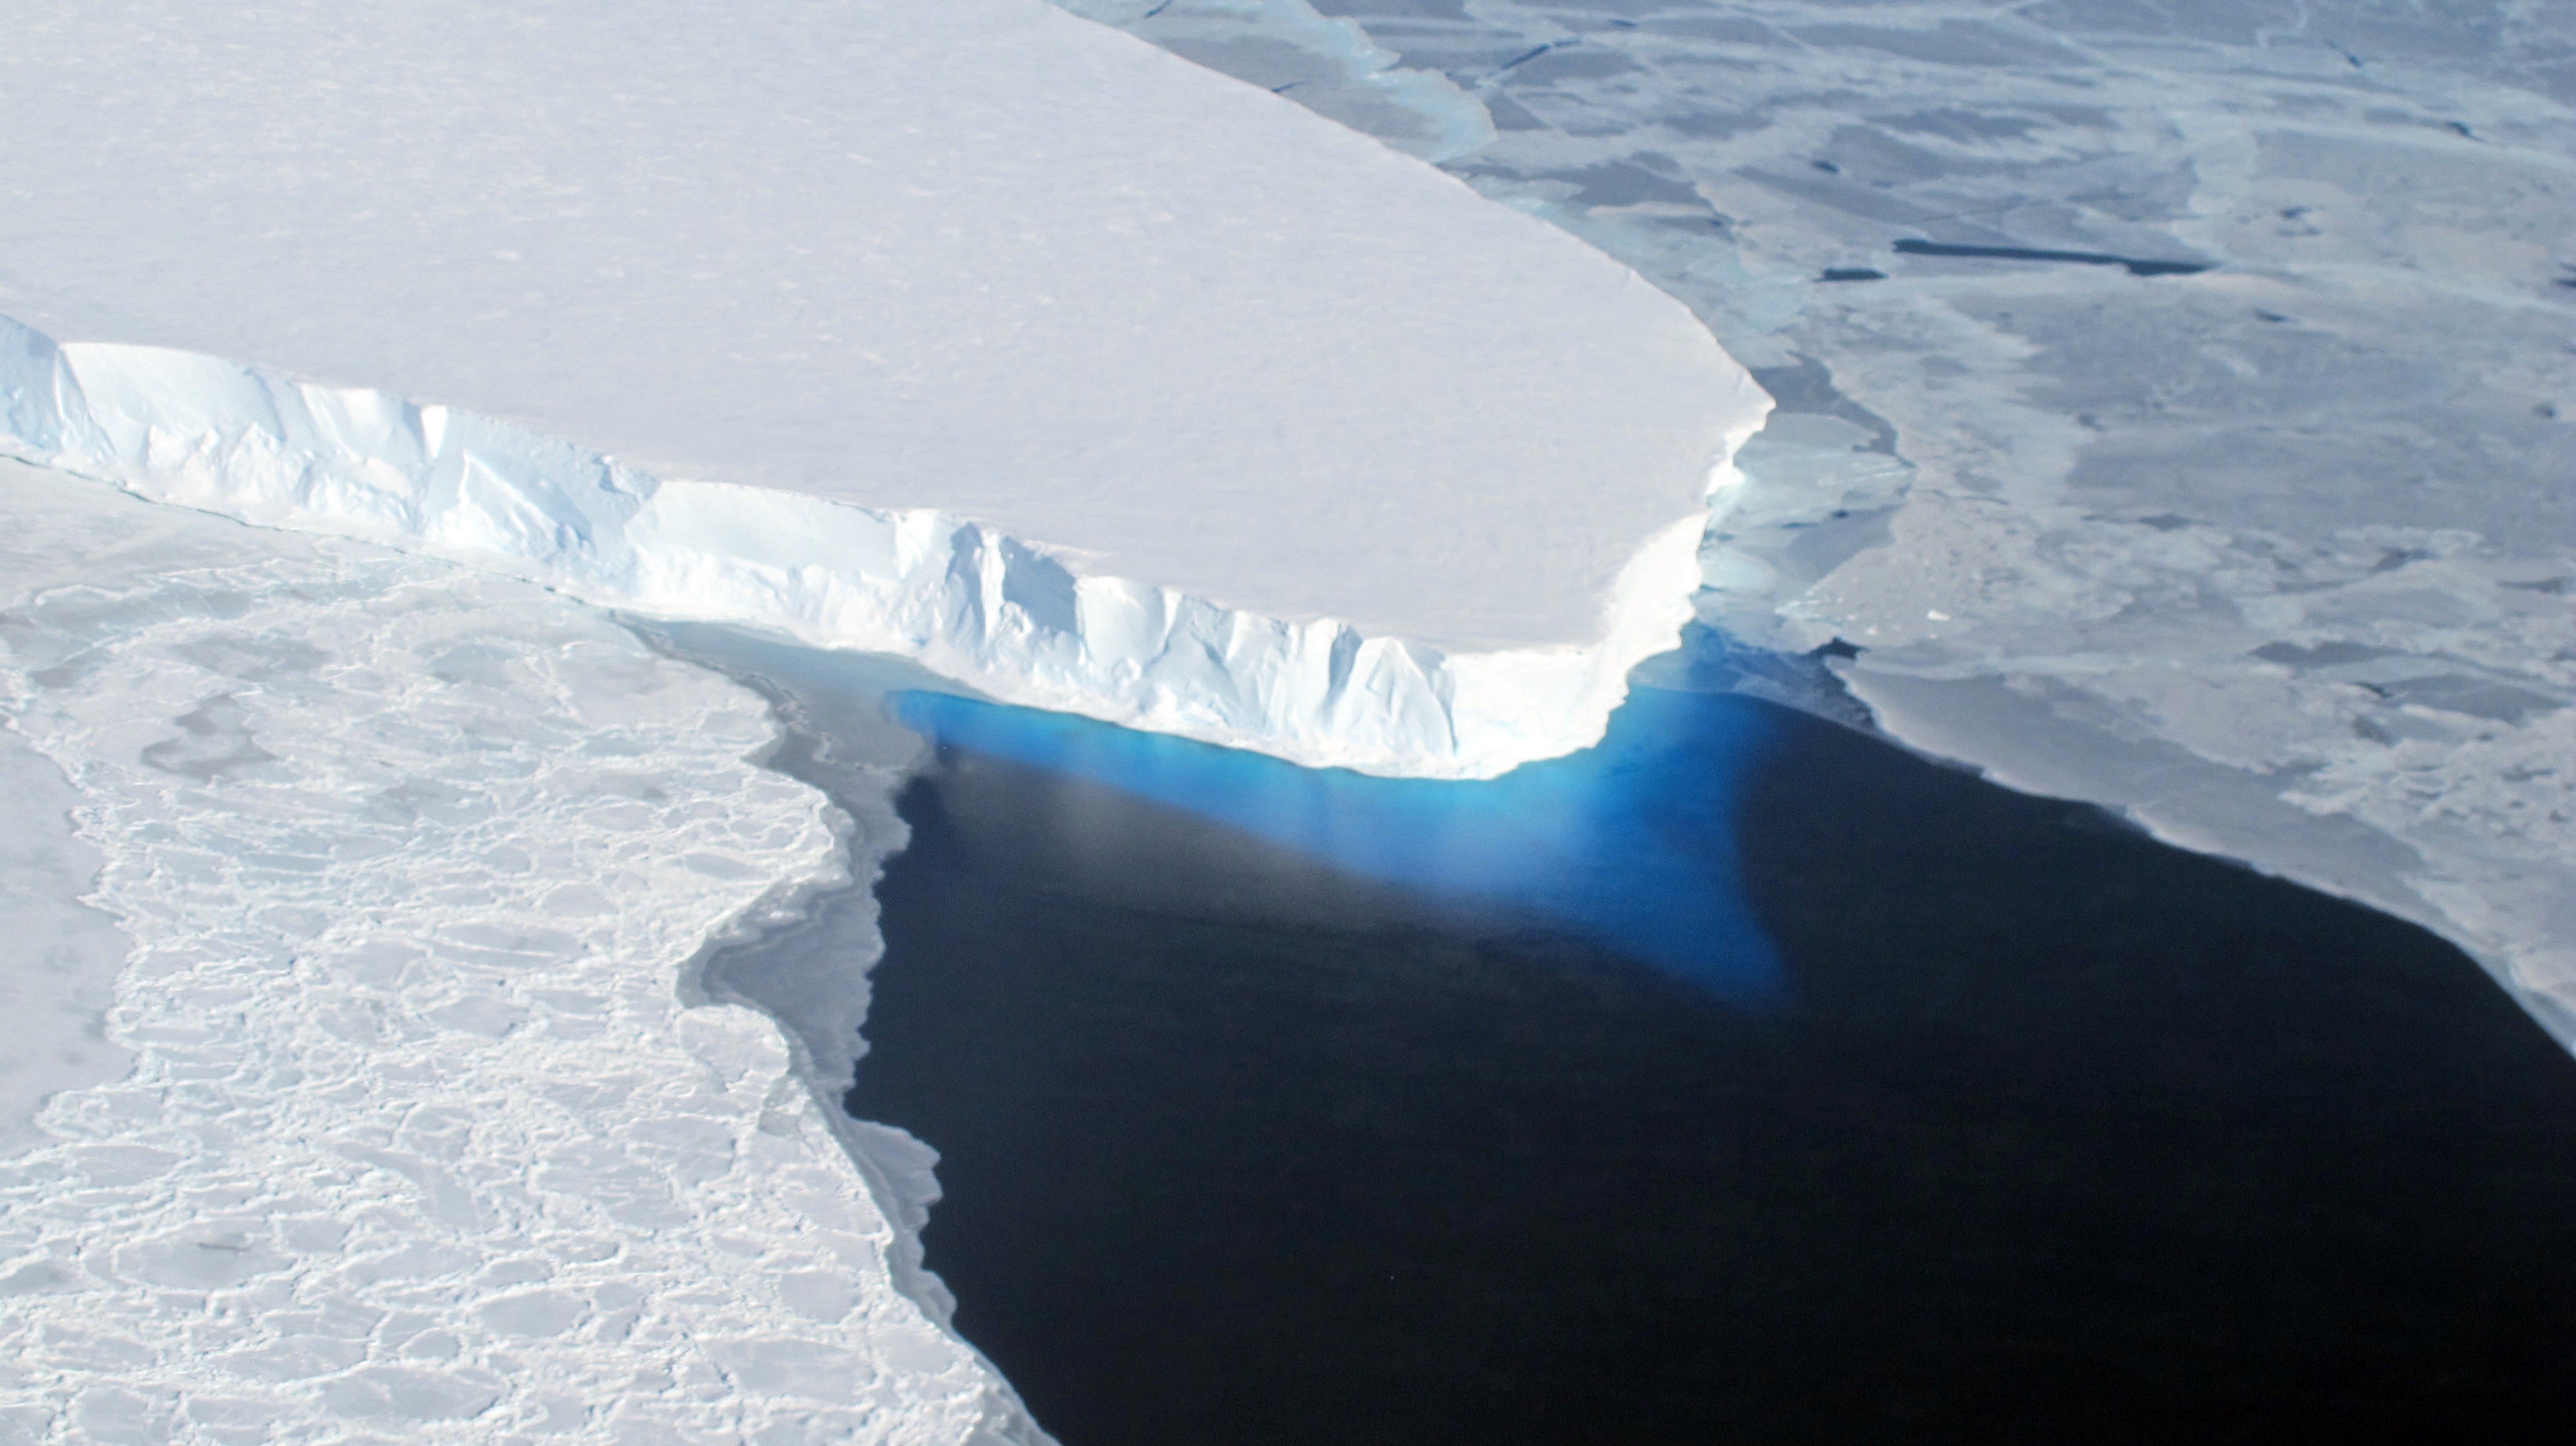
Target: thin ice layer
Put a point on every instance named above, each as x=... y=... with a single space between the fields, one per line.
x=973 y=255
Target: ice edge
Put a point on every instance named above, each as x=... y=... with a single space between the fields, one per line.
x=994 y=612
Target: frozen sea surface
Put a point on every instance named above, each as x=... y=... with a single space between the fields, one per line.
x=429 y=1134
x=2246 y=514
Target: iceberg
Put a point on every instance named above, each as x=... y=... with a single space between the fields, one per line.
x=971 y=331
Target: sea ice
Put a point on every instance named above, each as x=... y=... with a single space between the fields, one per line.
x=960 y=328
x=2274 y=550
x=429 y=1136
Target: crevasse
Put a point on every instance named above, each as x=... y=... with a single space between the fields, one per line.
x=998 y=614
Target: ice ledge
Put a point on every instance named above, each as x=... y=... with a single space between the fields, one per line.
x=993 y=612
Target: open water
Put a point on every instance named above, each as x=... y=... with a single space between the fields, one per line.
x=1745 y=1080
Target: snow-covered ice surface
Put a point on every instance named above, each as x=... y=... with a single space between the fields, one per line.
x=429 y=1134
x=2249 y=512
x=960 y=328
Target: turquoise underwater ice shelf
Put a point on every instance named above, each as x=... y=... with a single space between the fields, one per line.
x=1628 y=845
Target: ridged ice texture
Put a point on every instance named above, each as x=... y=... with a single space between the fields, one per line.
x=422 y=1142
x=973 y=605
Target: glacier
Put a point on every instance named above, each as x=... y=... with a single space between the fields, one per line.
x=969 y=330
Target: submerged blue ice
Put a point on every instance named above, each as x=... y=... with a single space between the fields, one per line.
x=1628 y=845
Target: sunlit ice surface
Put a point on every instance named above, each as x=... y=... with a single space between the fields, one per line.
x=1629 y=844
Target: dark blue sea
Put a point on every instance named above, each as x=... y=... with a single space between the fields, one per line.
x=1745 y=1079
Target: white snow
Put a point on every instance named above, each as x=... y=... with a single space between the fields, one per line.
x=428 y=1137
x=966 y=328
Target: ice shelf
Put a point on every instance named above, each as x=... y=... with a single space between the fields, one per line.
x=970 y=330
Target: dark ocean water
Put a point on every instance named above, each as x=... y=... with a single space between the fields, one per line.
x=1746 y=1080
x=1627 y=845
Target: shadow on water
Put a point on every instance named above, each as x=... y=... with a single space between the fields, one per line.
x=1263 y=1122
x=1629 y=844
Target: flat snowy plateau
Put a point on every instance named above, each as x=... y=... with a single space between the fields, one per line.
x=967 y=330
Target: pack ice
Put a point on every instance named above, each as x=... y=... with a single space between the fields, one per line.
x=969 y=330
x=414 y=1127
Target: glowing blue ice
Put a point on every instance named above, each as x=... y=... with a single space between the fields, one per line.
x=1630 y=844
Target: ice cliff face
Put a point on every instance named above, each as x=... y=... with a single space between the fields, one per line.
x=427 y=1138
x=970 y=603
